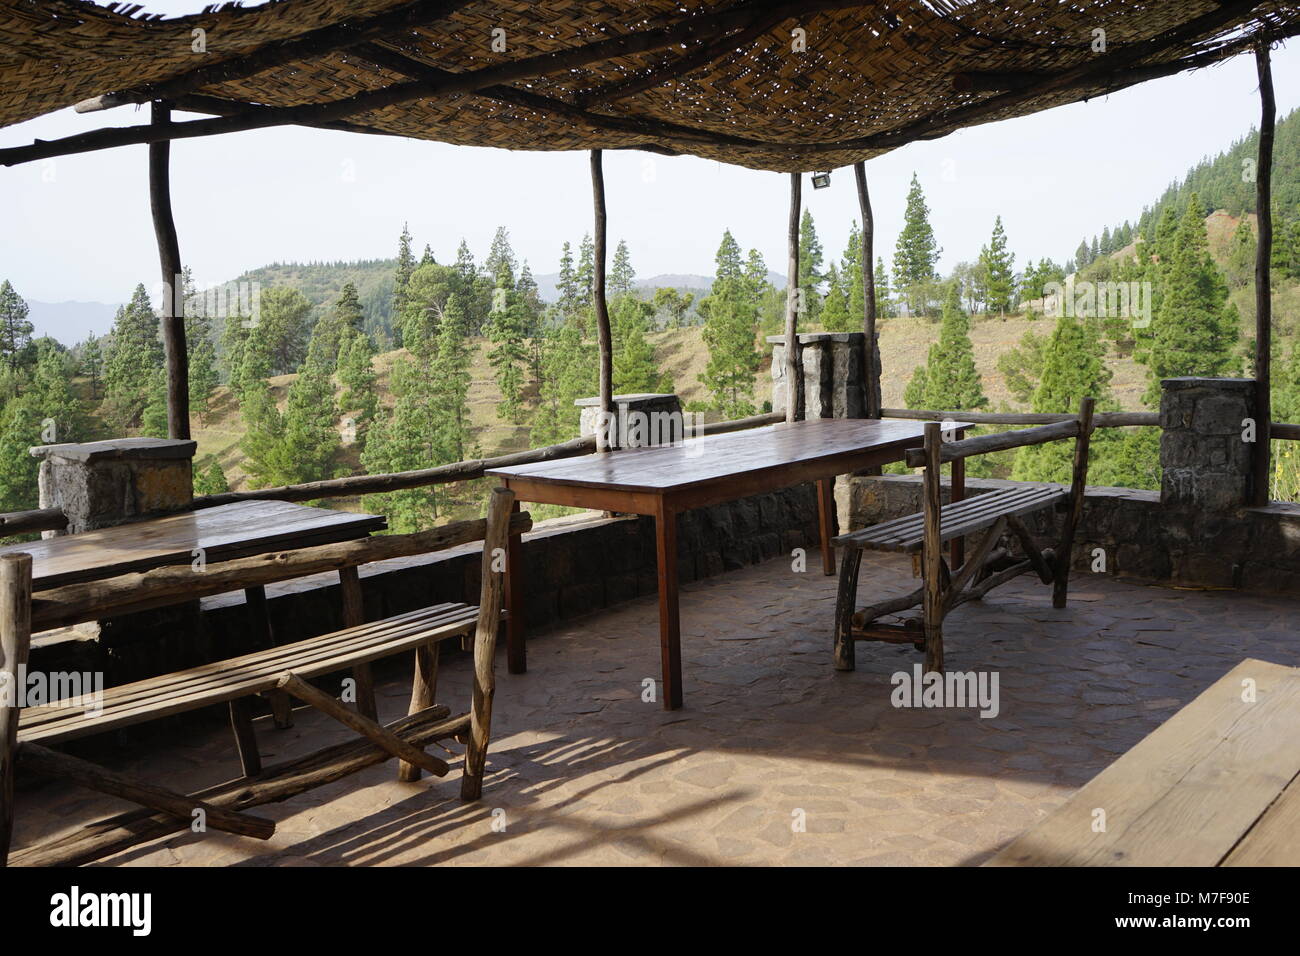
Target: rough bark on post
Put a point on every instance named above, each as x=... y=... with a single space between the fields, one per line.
x=169 y=257
x=1263 y=291
x=791 y=308
x=598 y=298
x=873 y=402
x=15 y=641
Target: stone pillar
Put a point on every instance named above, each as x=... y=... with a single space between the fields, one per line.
x=103 y=483
x=644 y=419
x=1206 y=462
x=833 y=379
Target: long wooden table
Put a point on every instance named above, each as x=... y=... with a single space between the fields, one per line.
x=237 y=530
x=664 y=481
x=1217 y=784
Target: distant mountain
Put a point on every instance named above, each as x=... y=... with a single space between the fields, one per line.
x=70 y=322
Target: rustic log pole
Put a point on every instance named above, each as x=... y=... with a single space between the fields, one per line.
x=956 y=493
x=51 y=763
x=846 y=597
x=424 y=686
x=792 y=303
x=872 y=356
x=15 y=642
x=1100 y=420
x=259 y=625
x=280 y=782
x=932 y=551
x=485 y=642
x=169 y=257
x=368 y=728
x=998 y=441
x=354 y=615
x=1260 y=467
x=977 y=560
x=1078 y=485
x=145 y=590
x=1035 y=556
x=604 y=439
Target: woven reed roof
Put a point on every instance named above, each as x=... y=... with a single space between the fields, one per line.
x=873 y=76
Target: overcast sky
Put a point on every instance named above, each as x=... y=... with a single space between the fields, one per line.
x=78 y=227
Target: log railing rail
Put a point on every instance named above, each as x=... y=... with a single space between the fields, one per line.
x=40 y=519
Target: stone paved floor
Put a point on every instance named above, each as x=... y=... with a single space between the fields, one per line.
x=582 y=771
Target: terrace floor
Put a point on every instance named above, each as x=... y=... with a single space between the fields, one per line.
x=582 y=771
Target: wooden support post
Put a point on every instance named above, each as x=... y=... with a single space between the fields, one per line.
x=354 y=615
x=845 y=658
x=792 y=304
x=670 y=625
x=957 y=488
x=51 y=763
x=872 y=376
x=169 y=257
x=1078 y=484
x=826 y=523
x=15 y=642
x=424 y=685
x=241 y=723
x=368 y=728
x=259 y=625
x=932 y=548
x=516 y=641
x=491 y=592
x=1261 y=470
x=603 y=337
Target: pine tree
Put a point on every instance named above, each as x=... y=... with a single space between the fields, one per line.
x=402 y=274
x=810 y=267
x=851 y=277
x=999 y=271
x=951 y=379
x=15 y=329
x=507 y=329
x=916 y=253
x=586 y=274
x=356 y=375
x=621 y=273
x=635 y=368
x=328 y=335
x=1241 y=256
x=729 y=265
x=279 y=333
x=92 y=364
x=201 y=350
x=211 y=480
x=567 y=288
x=569 y=372
x=310 y=435
x=884 y=299
x=450 y=378
x=135 y=353
x=730 y=327
x=501 y=264
x=835 y=307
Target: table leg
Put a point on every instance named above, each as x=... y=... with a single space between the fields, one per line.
x=826 y=522
x=670 y=625
x=516 y=651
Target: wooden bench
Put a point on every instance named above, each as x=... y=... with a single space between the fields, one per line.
x=280 y=673
x=1217 y=784
x=991 y=562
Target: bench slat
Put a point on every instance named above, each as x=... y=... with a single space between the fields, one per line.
x=251 y=674
x=956 y=520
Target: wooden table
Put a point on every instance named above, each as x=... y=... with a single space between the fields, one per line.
x=1217 y=784
x=663 y=481
x=236 y=530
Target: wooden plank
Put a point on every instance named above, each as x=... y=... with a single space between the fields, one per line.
x=491 y=591
x=905 y=534
x=1272 y=841
x=354 y=615
x=223 y=533
x=15 y=643
x=1190 y=790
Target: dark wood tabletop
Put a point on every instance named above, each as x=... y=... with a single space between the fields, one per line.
x=699 y=461
x=225 y=532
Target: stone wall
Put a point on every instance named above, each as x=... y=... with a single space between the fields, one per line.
x=573 y=566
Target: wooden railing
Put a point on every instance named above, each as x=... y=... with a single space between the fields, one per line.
x=444 y=474
x=25 y=522
x=1100 y=420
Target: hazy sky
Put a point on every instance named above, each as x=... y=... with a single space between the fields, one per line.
x=79 y=228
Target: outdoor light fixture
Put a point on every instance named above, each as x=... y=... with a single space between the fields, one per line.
x=821 y=180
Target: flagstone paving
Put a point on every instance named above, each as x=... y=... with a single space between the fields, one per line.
x=775 y=759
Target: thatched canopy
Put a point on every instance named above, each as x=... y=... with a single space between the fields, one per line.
x=715 y=79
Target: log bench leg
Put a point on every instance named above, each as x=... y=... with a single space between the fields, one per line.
x=281 y=709
x=241 y=722
x=826 y=523
x=15 y=642
x=845 y=657
x=423 y=687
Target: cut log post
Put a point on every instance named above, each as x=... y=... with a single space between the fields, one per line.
x=169 y=257
x=792 y=304
x=932 y=551
x=1078 y=485
x=872 y=378
x=259 y=625
x=850 y=565
x=354 y=615
x=241 y=724
x=368 y=728
x=15 y=642
x=603 y=337
x=424 y=686
x=51 y=763
x=1260 y=468
x=999 y=441
x=485 y=641
x=1035 y=556
x=978 y=560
